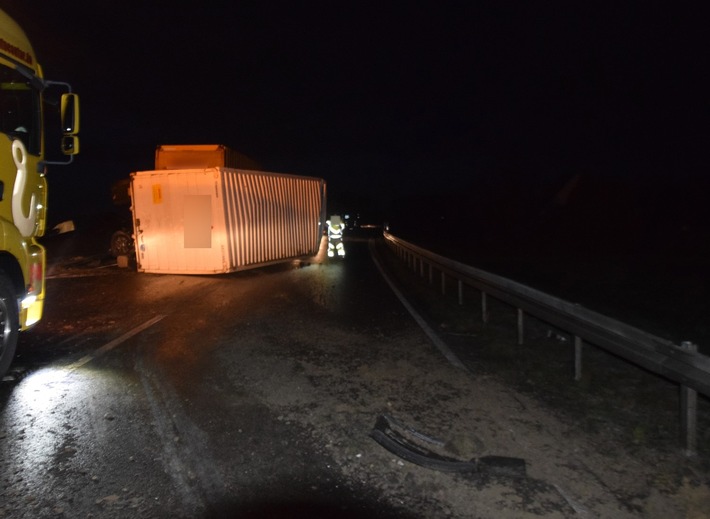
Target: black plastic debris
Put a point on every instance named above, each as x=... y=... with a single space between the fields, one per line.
x=409 y=444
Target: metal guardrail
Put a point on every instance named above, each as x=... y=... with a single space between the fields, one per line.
x=682 y=364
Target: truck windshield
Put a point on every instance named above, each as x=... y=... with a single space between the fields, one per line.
x=20 y=109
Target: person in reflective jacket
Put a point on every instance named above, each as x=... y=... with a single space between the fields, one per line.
x=335 y=237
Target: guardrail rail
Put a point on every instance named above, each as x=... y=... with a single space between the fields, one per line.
x=680 y=363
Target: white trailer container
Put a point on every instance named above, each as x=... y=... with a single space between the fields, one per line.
x=218 y=220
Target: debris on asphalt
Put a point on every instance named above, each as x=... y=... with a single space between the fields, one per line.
x=420 y=449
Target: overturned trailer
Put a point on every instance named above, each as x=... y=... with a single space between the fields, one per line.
x=217 y=220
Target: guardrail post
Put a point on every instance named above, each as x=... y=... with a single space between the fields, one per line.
x=460 y=292
x=631 y=347
x=421 y=267
x=689 y=411
x=484 y=307
x=577 y=358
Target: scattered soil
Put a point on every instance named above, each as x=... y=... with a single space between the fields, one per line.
x=627 y=419
x=591 y=449
x=604 y=446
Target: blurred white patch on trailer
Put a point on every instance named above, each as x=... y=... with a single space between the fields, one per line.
x=198 y=221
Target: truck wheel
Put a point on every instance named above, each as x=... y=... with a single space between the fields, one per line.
x=121 y=244
x=9 y=324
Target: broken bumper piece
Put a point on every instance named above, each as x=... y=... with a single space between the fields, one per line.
x=407 y=443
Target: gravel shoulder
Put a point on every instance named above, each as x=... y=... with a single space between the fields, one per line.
x=337 y=382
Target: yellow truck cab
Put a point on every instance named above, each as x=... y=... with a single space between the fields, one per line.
x=23 y=185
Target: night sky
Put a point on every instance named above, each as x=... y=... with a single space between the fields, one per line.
x=386 y=100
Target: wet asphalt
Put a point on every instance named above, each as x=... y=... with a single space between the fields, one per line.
x=119 y=403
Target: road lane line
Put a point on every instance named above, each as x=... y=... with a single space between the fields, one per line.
x=112 y=344
x=441 y=345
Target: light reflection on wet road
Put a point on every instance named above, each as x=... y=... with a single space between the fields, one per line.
x=254 y=395
x=116 y=405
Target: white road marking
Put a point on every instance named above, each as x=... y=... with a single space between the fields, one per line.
x=441 y=345
x=112 y=344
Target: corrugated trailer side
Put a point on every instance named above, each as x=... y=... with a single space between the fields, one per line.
x=272 y=217
x=219 y=220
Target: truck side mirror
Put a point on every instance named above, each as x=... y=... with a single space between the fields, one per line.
x=70 y=114
x=70 y=124
x=70 y=145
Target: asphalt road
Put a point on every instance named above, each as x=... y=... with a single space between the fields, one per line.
x=121 y=402
x=255 y=394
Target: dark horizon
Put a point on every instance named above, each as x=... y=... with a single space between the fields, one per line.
x=386 y=102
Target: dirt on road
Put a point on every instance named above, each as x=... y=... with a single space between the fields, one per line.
x=338 y=386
